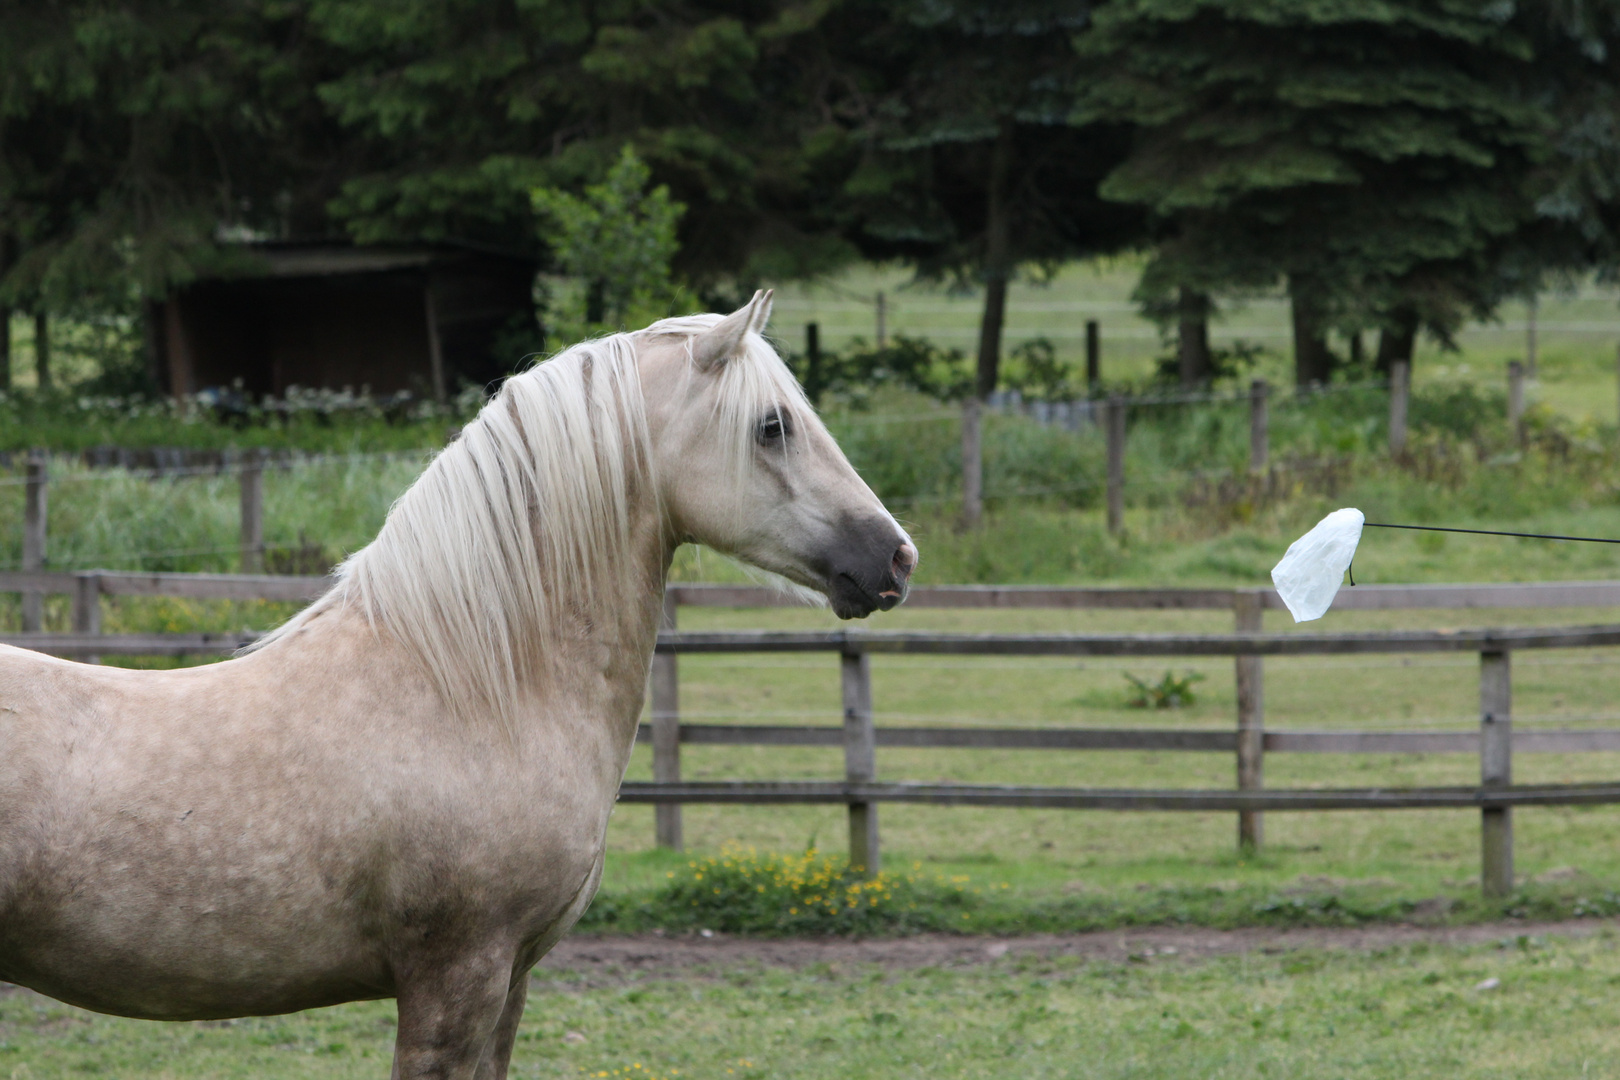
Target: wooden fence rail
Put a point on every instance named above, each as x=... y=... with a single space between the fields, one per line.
x=1553 y=741
x=859 y=737
x=835 y=791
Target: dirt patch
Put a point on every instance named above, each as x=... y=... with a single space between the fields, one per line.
x=607 y=959
x=612 y=957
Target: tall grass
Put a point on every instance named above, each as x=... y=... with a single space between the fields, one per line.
x=315 y=513
x=1194 y=512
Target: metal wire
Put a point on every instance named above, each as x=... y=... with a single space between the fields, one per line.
x=1491 y=532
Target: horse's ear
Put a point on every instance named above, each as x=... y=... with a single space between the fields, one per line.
x=724 y=339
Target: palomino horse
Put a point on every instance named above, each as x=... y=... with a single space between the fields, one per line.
x=404 y=791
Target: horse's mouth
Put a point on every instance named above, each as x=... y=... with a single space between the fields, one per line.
x=871 y=580
x=850 y=599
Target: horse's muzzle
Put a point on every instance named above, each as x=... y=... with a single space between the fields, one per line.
x=876 y=577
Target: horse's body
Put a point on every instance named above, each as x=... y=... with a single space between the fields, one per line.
x=365 y=808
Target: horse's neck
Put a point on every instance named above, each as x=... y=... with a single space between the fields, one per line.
x=605 y=671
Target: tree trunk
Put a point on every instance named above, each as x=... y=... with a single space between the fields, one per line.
x=1396 y=340
x=997 y=268
x=42 y=349
x=1192 y=328
x=596 y=302
x=1313 y=361
x=153 y=346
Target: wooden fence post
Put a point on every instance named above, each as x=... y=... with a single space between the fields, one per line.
x=252 y=481
x=1259 y=426
x=1400 y=387
x=1116 y=463
x=666 y=725
x=87 y=608
x=35 y=497
x=812 y=362
x=1093 y=356
x=1251 y=719
x=1516 y=400
x=1530 y=350
x=1496 y=770
x=435 y=344
x=860 y=761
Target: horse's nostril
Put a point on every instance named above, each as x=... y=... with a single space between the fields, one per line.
x=905 y=560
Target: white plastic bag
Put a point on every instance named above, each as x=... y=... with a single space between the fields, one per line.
x=1309 y=575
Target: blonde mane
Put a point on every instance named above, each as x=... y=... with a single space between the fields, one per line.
x=519 y=530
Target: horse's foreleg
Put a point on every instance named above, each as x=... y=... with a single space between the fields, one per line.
x=498 y=1051
x=449 y=1015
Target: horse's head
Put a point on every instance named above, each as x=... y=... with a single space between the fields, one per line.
x=746 y=466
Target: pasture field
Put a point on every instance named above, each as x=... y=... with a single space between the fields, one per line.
x=1082 y=866
x=1576 y=329
x=1413 y=1011
x=1132 y=860
x=1138 y=864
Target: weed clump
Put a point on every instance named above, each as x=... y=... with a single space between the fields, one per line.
x=1169 y=692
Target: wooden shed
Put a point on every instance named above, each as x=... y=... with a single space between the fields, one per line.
x=422 y=319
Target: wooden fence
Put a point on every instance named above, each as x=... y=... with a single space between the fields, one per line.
x=861 y=791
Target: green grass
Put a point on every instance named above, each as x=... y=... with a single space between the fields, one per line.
x=1577 y=329
x=1412 y=1012
x=739 y=891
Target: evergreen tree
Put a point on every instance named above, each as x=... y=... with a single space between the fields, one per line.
x=952 y=122
x=468 y=106
x=133 y=137
x=1375 y=157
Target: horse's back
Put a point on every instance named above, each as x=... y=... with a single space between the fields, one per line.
x=135 y=823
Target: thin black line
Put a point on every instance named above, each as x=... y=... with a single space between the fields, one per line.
x=1493 y=532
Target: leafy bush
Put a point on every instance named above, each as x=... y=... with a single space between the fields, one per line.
x=304 y=419
x=618 y=240
x=742 y=892
x=1460 y=410
x=1034 y=370
x=906 y=363
x=911 y=461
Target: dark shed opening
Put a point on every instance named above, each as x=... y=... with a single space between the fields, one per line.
x=422 y=319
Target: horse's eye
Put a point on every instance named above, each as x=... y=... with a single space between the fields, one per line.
x=774 y=428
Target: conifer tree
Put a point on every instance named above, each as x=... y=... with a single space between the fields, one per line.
x=955 y=120
x=1374 y=157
